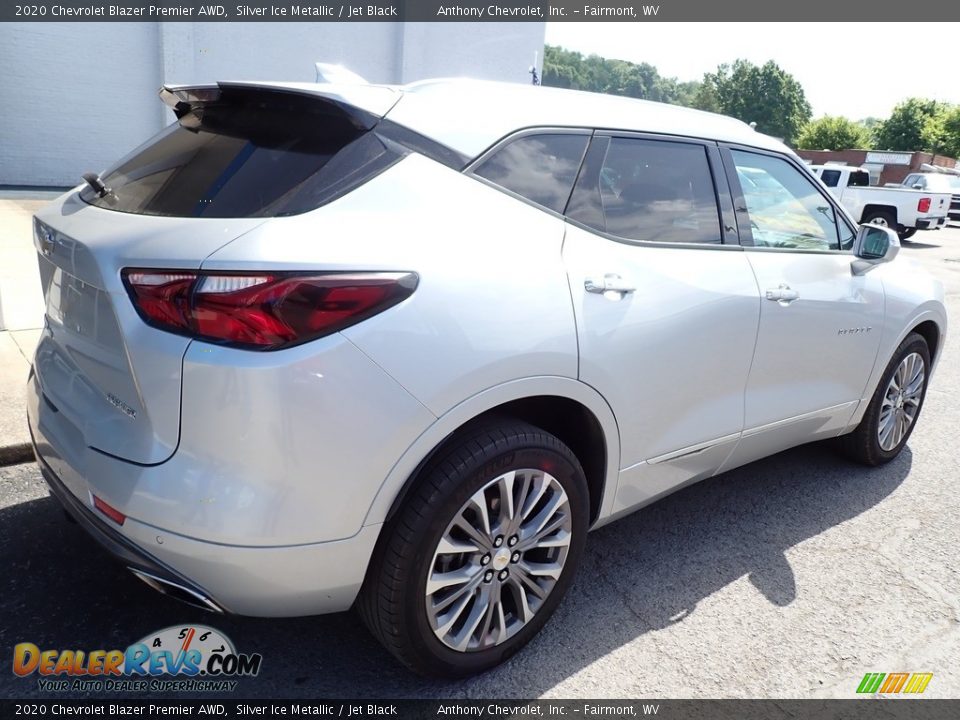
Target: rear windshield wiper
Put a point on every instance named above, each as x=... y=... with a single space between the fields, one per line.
x=94 y=181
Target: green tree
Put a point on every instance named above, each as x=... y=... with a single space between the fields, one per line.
x=941 y=131
x=833 y=133
x=766 y=95
x=950 y=121
x=911 y=126
x=687 y=92
x=569 y=69
x=562 y=68
x=705 y=98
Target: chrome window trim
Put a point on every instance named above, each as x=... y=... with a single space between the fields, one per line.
x=653 y=244
x=522 y=133
x=715 y=169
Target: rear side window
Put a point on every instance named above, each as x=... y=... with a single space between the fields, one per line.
x=249 y=153
x=831 y=178
x=859 y=178
x=648 y=190
x=541 y=168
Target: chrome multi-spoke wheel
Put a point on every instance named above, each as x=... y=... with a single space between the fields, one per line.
x=482 y=551
x=901 y=401
x=498 y=559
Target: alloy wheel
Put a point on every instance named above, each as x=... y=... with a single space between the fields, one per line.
x=498 y=560
x=901 y=401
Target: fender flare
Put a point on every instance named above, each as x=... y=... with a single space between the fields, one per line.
x=404 y=470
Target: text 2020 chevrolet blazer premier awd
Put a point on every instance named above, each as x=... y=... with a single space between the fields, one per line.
x=316 y=346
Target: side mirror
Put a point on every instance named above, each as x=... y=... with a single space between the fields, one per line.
x=918 y=186
x=874 y=245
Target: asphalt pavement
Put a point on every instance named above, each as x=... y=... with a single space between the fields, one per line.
x=791 y=577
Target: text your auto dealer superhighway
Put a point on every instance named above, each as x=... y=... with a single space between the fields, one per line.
x=119 y=11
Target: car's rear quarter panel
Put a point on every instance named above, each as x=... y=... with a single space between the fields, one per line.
x=492 y=305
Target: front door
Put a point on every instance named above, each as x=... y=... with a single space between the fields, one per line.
x=820 y=324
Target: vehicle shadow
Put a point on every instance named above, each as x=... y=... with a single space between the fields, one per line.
x=65 y=592
x=915 y=245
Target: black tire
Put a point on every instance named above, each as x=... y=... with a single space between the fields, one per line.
x=907 y=233
x=863 y=444
x=880 y=217
x=392 y=602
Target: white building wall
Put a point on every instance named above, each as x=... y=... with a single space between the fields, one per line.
x=86 y=93
x=488 y=51
x=73 y=96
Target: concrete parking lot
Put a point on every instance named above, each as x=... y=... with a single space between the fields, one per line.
x=791 y=577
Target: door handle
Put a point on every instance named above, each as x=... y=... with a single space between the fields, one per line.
x=609 y=283
x=783 y=294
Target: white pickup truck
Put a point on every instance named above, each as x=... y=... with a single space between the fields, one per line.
x=902 y=209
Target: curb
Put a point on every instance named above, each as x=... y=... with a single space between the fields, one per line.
x=16 y=454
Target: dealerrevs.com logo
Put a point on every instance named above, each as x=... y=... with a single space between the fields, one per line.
x=178 y=658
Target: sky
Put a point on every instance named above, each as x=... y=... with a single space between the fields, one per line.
x=852 y=69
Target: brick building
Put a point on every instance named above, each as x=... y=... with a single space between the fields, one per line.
x=885 y=166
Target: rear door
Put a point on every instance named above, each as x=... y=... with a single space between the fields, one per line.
x=820 y=324
x=666 y=305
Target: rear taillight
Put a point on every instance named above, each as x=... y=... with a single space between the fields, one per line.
x=262 y=311
x=923 y=205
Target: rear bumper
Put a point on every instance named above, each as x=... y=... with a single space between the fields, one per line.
x=152 y=571
x=931 y=223
x=276 y=581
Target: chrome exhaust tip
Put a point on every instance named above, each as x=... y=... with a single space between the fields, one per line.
x=184 y=594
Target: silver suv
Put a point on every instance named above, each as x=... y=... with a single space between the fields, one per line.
x=316 y=346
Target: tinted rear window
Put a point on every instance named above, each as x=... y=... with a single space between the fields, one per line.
x=830 y=177
x=859 y=178
x=251 y=153
x=648 y=190
x=541 y=168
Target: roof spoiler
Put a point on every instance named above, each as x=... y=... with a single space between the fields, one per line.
x=364 y=104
